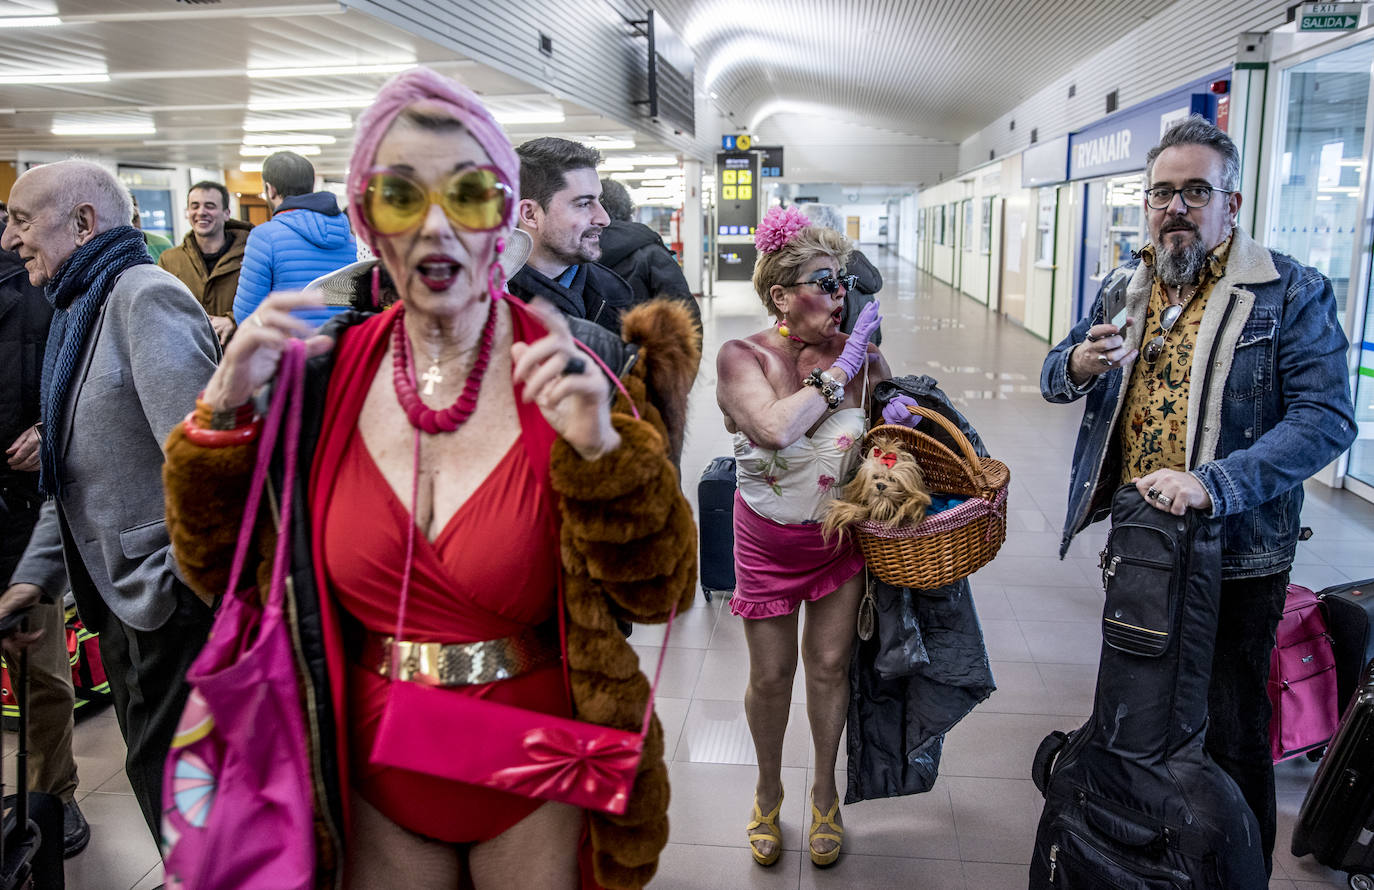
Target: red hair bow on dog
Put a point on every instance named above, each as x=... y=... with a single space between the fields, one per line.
x=888 y=458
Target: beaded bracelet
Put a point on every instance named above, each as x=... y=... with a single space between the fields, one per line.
x=211 y=438
x=828 y=386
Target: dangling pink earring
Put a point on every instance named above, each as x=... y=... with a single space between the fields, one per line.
x=496 y=276
x=377 y=285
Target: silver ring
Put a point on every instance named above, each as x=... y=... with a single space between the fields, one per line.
x=1163 y=499
x=256 y=320
x=1106 y=362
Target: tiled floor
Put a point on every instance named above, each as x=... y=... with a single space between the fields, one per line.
x=974 y=830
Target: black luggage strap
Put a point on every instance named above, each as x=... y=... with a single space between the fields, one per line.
x=1043 y=764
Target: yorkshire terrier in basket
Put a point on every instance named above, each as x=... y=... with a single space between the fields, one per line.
x=887 y=488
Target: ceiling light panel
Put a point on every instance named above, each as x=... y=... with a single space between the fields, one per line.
x=68 y=77
x=289 y=139
x=328 y=70
x=262 y=151
x=323 y=122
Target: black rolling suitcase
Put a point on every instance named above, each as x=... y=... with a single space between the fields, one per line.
x=716 y=524
x=26 y=861
x=1336 y=822
x=1350 y=622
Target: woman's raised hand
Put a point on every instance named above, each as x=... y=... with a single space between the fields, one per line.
x=851 y=360
x=252 y=357
x=571 y=392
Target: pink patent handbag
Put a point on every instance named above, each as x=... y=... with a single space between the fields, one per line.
x=236 y=794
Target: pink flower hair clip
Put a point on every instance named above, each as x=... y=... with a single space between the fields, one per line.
x=778 y=227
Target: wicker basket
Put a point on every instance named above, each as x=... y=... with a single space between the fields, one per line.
x=943 y=547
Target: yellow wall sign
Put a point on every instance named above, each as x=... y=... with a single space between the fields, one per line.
x=727 y=177
x=746 y=192
x=743 y=142
x=727 y=193
x=745 y=177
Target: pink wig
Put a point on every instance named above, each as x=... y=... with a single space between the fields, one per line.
x=408 y=88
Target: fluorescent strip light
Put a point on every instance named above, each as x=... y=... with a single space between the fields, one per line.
x=309 y=104
x=328 y=70
x=609 y=144
x=251 y=167
x=128 y=128
x=262 y=151
x=516 y=118
x=614 y=167
x=74 y=77
x=651 y=160
x=288 y=139
x=264 y=125
x=662 y=171
x=29 y=21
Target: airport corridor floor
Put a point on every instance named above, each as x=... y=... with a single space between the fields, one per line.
x=974 y=830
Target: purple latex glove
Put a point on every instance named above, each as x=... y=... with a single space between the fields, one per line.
x=895 y=411
x=852 y=359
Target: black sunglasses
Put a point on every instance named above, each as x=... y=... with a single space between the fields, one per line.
x=829 y=283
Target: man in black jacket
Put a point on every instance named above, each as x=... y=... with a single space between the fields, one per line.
x=636 y=253
x=25 y=315
x=560 y=209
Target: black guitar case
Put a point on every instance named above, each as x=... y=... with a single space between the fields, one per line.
x=1132 y=802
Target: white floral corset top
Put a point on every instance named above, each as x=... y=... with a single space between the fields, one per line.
x=793 y=485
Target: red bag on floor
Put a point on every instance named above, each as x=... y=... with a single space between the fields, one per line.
x=88 y=674
x=1302 y=678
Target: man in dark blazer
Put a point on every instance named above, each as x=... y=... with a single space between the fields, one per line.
x=128 y=350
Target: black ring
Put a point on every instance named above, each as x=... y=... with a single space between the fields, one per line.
x=575 y=365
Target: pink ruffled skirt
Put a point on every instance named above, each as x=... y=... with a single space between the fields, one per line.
x=777 y=566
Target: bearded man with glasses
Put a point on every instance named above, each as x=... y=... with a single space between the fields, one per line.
x=1214 y=372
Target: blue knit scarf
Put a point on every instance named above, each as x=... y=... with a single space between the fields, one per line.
x=77 y=292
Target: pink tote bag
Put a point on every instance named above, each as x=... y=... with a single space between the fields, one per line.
x=236 y=794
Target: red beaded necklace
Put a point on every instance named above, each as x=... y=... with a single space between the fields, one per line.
x=421 y=415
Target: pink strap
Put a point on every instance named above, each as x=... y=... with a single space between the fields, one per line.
x=658 y=672
x=290 y=386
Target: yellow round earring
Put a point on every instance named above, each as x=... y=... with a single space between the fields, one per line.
x=783 y=330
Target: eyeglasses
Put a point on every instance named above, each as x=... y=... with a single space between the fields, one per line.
x=1195 y=196
x=1167 y=319
x=475 y=199
x=829 y=283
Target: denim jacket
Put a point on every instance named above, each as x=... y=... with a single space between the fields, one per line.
x=1269 y=403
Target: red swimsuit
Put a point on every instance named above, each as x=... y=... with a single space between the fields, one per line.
x=492 y=572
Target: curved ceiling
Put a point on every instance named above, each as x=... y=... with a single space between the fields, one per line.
x=927 y=68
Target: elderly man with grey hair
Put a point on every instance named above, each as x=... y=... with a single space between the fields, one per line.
x=870 y=280
x=128 y=349
x=1213 y=373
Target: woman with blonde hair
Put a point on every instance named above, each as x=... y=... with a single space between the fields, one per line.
x=794 y=395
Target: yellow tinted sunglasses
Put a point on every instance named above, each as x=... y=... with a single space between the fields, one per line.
x=475 y=199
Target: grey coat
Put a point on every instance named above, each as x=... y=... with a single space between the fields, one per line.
x=151 y=351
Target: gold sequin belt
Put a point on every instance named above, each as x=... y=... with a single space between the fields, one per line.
x=465 y=664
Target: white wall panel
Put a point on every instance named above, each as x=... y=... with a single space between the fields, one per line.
x=1184 y=42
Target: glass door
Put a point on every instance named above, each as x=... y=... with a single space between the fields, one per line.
x=1318 y=182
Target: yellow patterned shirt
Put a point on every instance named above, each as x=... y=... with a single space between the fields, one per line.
x=1154 y=418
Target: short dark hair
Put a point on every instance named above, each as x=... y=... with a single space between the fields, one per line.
x=288 y=173
x=543 y=163
x=205 y=185
x=1197 y=130
x=616 y=199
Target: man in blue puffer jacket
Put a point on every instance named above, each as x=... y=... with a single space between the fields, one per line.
x=308 y=236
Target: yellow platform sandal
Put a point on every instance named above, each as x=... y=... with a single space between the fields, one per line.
x=825 y=828
x=765 y=828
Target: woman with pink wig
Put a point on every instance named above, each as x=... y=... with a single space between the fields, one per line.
x=449 y=443
x=795 y=396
